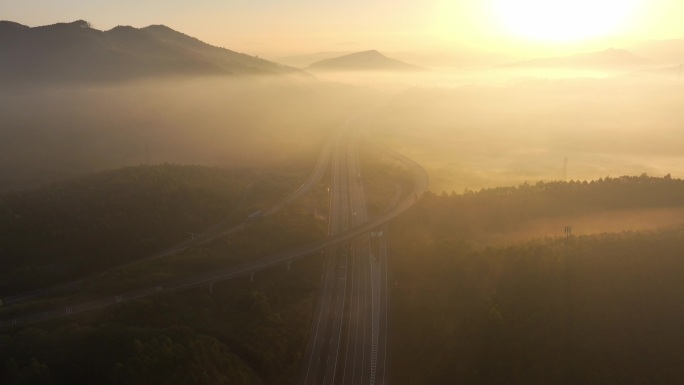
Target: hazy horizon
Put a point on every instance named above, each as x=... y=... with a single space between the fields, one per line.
x=273 y=29
x=524 y=118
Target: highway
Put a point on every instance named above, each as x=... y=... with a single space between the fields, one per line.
x=252 y=267
x=381 y=303
x=348 y=338
x=359 y=350
x=321 y=356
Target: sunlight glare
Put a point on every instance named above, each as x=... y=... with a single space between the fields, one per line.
x=563 y=20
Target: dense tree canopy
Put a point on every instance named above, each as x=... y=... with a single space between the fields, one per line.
x=592 y=309
x=88 y=224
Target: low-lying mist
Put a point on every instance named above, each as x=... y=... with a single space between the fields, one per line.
x=52 y=133
x=470 y=128
x=486 y=135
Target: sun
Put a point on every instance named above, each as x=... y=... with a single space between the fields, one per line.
x=563 y=20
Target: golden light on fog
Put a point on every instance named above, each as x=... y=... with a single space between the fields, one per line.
x=563 y=20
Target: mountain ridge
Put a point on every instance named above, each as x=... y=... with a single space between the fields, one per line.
x=76 y=52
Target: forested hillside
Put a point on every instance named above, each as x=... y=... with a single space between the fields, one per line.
x=239 y=332
x=91 y=223
x=242 y=333
x=476 y=214
x=601 y=308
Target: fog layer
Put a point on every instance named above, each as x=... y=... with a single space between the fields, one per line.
x=54 y=133
x=485 y=135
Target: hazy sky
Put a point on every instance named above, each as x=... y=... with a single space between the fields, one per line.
x=280 y=27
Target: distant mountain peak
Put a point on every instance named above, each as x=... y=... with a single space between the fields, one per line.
x=160 y=27
x=612 y=51
x=370 y=60
x=81 y=24
x=369 y=52
x=74 y=24
x=123 y=28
